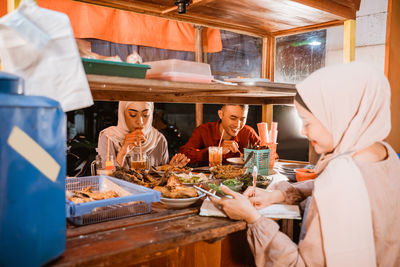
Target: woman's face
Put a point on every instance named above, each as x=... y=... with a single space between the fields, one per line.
x=138 y=116
x=320 y=138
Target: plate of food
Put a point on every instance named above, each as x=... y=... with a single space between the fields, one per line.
x=192 y=178
x=177 y=195
x=164 y=168
x=227 y=172
x=236 y=161
x=263 y=181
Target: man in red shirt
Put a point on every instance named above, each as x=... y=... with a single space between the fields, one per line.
x=237 y=135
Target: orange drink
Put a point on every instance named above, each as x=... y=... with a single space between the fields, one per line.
x=214 y=156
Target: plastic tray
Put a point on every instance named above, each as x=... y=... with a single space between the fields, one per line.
x=108 y=209
x=112 y=68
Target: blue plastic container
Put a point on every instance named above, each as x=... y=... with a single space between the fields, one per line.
x=86 y=213
x=32 y=176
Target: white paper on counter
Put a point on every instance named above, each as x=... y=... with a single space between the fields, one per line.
x=38 y=45
x=275 y=211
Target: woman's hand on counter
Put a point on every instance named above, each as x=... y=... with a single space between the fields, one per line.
x=263 y=198
x=179 y=160
x=238 y=207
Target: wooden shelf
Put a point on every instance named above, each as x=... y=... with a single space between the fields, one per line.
x=255 y=17
x=120 y=88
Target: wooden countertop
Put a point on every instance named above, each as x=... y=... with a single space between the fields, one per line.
x=130 y=240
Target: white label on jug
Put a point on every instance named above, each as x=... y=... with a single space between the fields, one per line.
x=34 y=153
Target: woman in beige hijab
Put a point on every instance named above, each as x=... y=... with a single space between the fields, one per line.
x=135 y=126
x=353 y=218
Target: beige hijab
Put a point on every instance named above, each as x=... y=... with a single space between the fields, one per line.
x=353 y=102
x=117 y=133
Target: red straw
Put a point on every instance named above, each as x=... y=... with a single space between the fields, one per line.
x=220 y=140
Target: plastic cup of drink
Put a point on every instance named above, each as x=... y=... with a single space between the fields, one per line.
x=214 y=156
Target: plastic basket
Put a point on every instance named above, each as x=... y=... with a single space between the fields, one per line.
x=112 y=68
x=139 y=202
x=259 y=159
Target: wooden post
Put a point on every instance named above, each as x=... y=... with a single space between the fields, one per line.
x=349 y=41
x=267 y=71
x=392 y=69
x=199 y=58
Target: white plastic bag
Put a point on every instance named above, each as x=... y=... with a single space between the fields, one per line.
x=38 y=44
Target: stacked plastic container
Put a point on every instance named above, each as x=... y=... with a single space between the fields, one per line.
x=179 y=71
x=32 y=176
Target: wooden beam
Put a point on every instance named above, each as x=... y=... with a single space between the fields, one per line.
x=267 y=62
x=333 y=7
x=349 y=41
x=310 y=28
x=199 y=58
x=392 y=69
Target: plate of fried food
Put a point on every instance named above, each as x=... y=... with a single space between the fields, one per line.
x=177 y=195
x=169 y=168
x=226 y=172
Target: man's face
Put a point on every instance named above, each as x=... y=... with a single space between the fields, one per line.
x=233 y=119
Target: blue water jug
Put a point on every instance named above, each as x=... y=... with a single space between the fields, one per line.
x=32 y=176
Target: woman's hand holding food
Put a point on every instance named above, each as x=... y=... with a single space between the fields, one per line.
x=133 y=138
x=179 y=160
x=229 y=145
x=238 y=207
x=263 y=198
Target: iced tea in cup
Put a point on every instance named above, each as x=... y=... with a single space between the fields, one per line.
x=214 y=156
x=138 y=162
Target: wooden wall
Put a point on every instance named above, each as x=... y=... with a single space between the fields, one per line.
x=392 y=68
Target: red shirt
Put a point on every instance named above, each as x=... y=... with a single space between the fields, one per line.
x=207 y=134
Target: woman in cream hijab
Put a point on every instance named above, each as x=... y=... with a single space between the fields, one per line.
x=353 y=218
x=134 y=126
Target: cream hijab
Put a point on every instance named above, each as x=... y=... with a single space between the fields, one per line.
x=353 y=102
x=117 y=133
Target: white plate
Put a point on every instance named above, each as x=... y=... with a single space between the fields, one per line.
x=181 y=202
x=236 y=161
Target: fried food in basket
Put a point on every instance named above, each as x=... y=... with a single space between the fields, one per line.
x=87 y=195
x=227 y=172
x=175 y=189
x=137 y=177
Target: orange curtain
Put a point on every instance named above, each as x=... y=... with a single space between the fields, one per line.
x=123 y=27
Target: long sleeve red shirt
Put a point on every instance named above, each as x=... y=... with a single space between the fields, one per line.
x=207 y=135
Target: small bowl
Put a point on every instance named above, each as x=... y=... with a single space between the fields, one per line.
x=264 y=183
x=236 y=188
x=305 y=174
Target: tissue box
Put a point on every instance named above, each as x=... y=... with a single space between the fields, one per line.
x=259 y=159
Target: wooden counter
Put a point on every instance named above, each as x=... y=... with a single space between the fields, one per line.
x=162 y=238
x=120 y=88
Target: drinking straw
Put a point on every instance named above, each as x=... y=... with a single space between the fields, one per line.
x=220 y=140
x=141 y=152
x=254 y=180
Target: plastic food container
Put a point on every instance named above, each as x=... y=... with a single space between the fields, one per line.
x=179 y=71
x=305 y=174
x=113 y=68
x=136 y=200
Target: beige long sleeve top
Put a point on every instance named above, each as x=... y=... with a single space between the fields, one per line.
x=271 y=247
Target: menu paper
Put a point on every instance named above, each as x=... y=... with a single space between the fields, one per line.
x=275 y=211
